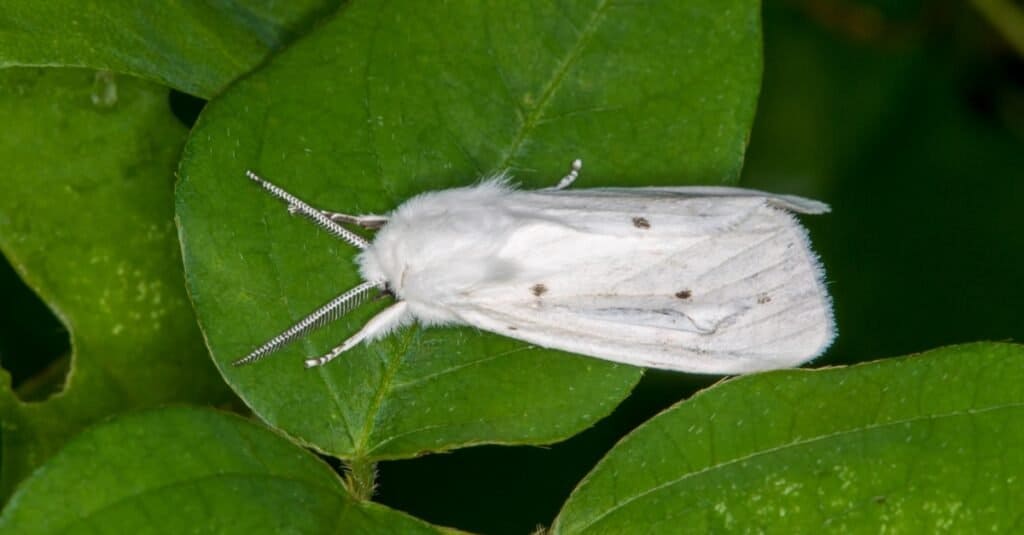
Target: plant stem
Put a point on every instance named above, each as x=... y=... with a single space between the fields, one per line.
x=361 y=478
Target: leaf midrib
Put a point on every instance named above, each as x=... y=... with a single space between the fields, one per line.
x=534 y=117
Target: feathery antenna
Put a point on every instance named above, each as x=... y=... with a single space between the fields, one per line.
x=336 y=308
x=296 y=205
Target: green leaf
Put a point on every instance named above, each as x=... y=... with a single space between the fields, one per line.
x=196 y=47
x=380 y=104
x=86 y=220
x=186 y=470
x=922 y=444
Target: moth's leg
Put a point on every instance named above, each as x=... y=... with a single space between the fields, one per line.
x=574 y=173
x=370 y=221
x=387 y=319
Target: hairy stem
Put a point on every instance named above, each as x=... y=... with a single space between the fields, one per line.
x=361 y=478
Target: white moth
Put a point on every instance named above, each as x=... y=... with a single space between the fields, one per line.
x=695 y=279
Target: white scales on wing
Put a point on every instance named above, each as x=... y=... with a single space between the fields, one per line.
x=697 y=279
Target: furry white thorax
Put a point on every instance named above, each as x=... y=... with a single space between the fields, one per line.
x=439 y=246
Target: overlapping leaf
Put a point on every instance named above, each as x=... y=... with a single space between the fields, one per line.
x=921 y=444
x=86 y=219
x=196 y=47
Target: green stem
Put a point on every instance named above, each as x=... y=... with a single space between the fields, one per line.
x=361 y=478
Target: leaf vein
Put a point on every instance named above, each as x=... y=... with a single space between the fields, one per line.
x=534 y=118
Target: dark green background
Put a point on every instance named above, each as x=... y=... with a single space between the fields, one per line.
x=909 y=120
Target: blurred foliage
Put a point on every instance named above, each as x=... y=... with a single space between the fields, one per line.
x=914 y=131
x=908 y=117
x=1006 y=16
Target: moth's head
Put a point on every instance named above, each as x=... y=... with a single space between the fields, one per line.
x=381 y=260
x=370 y=266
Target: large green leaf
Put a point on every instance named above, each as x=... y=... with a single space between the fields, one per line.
x=86 y=219
x=185 y=470
x=197 y=47
x=928 y=443
x=387 y=101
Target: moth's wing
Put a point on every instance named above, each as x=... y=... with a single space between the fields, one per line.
x=792 y=203
x=727 y=286
x=691 y=211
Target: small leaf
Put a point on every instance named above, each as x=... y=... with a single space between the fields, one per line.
x=86 y=220
x=196 y=47
x=385 y=102
x=186 y=470
x=922 y=444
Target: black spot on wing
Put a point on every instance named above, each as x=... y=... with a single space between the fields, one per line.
x=641 y=223
x=684 y=294
x=538 y=289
